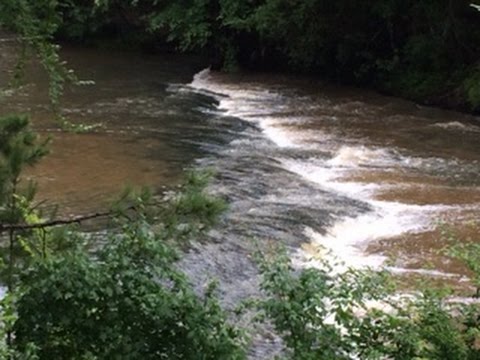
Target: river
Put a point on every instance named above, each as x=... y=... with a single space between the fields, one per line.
x=363 y=177
x=322 y=169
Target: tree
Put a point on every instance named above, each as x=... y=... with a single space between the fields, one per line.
x=19 y=147
x=129 y=302
x=126 y=300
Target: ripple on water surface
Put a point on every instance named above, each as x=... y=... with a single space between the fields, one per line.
x=148 y=135
x=389 y=167
x=322 y=169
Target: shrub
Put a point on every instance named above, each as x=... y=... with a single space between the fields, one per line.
x=127 y=302
x=354 y=315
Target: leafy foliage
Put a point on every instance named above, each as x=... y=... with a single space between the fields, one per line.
x=35 y=23
x=353 y=315
x=192 y=208
x=19 y=147
x=419 y=49
x=127 y=299
x=129 y=302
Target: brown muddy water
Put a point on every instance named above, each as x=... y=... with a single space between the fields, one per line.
x=146 y=137
x=364 y=178
x=368 y=179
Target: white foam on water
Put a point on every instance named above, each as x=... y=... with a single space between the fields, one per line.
x=347 y=239
x=434 y=273
x=352 y=156
x=457 y=125
x=279 y=136
x=253 y=104
x=322 y=173
x=283 y=135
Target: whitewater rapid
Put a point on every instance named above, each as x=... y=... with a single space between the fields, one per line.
x=325 y=160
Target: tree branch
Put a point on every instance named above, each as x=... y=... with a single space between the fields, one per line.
x=58 y=222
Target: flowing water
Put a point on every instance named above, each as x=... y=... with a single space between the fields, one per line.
x=345 y=172
x=321 y=169
x=147 y=136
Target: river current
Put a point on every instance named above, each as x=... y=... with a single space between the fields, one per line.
x=346 y=172
x=364 y=179
x=324 y=170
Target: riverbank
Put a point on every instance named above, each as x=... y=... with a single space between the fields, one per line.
x=426 y=52
x=301 y=161
x=449 y=96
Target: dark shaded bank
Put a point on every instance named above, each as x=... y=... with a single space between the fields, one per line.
x=421 y=50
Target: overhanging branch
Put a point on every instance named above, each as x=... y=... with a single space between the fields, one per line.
x=59 y=222
x=52 y=223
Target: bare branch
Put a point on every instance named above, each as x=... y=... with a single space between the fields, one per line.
x=58 y=222
x=75 y=220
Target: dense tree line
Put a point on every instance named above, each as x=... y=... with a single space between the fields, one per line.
x=425 y=50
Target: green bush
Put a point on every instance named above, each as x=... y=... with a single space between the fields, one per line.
x=128 y=302
x=355 y=315
x=191 y=209
x=127 y=299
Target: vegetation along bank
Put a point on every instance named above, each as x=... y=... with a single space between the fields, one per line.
x=427 y=51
